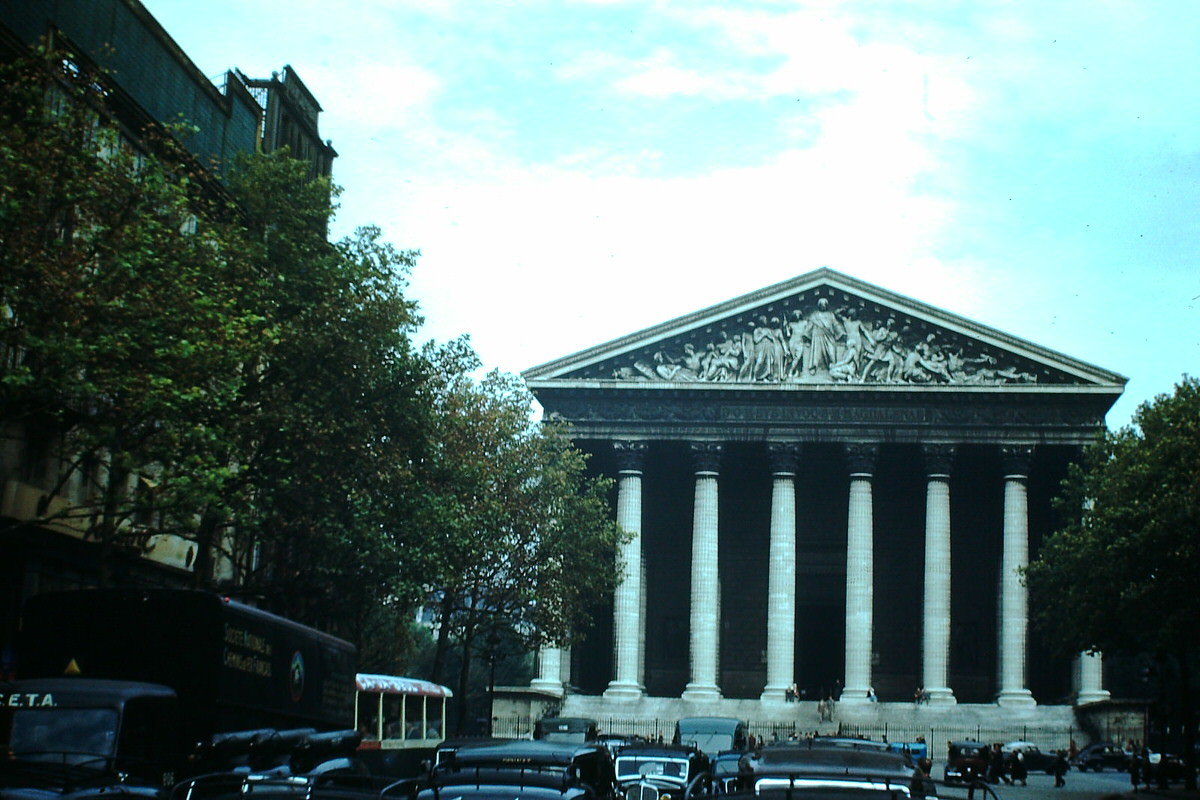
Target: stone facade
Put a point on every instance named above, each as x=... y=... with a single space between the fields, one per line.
x=832 y=486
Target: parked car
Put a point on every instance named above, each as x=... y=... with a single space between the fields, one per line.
x=1099 y=756
x=725 y=768
x=652 y=771
x=712 y=735
x=615 y=741
x=966 y=762
x=1166 y=767
x=1036 y=760
x=796 y=770
x=566 y=729
x=537 y=770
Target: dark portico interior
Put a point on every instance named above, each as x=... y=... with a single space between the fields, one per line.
x=976 y=489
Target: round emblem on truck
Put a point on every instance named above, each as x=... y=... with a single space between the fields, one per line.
x=296 y=676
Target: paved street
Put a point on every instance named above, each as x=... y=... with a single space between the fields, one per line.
x=1079 y=785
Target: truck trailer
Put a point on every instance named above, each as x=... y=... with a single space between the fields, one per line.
x=145 y=687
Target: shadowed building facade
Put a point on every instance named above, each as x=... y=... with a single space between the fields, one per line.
x=828 y=485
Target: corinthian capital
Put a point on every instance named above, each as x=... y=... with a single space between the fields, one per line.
x=630 y=455
x=706 y=456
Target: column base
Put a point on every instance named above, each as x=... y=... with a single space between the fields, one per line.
x=854 y=695
x=701 y=692
x=1096 y=696
x=942 y=696
x=1015 y=697
x=549 y=687
x=774 y=694
x=624 y=690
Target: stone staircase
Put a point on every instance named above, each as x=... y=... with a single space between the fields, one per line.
x=1050 y=726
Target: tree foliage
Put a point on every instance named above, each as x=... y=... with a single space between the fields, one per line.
x=124 y=323
x=191 y=356
x=525 y=542
x=1120 y=576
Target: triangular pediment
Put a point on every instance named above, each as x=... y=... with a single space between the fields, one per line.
x=821 y=329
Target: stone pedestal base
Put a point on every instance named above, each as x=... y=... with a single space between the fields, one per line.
x=623 y=690
x=1015 y=697
x=774 y=694
x=696 y=692
x=547 y=686
x=852 y=695
x=942 y=696
x=1095 y=696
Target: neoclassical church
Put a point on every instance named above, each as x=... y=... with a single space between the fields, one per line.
x=828 y=486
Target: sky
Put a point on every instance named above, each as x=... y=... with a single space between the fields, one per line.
x=579 y=170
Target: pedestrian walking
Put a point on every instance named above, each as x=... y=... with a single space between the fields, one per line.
x=1020 y=771
x=996 y=772
x=1060 y=769
x=1135 y=768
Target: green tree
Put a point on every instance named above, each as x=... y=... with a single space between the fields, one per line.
x=1120 y=576
x=330 y=420
x=123 y=322
x=523 y=543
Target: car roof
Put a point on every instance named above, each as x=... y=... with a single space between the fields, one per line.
x=780 y=760
x=524 y=752
x=847 y=742
x=80 y=692
x=717 y=724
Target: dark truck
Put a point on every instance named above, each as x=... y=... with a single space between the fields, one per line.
x=141 y=688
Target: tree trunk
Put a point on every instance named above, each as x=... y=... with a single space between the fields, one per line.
x=108 y=530
x=1189 y=722
x=464 y=682
x=443 y=641
x=202 y=568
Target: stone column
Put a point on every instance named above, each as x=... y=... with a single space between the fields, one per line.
x=628 y=619
x=860 y=572
x=1090 y=685
x=936 y=624
x=550 y=671
x=1014 y=603
x=781 y=575
x=706 y=592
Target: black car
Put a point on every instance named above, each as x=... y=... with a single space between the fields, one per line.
x=1099 y=756
x=541 y=769
x=1036 y=759
x=966 y=762
x=800 y=770
x=651 y=771
x=566 y=729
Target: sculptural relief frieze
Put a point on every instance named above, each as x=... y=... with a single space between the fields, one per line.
x=815 y=342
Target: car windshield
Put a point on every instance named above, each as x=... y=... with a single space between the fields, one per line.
x=708 y=741
x=633 y=767
x=70 y=736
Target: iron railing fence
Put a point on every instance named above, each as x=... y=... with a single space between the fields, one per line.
x=935 y=736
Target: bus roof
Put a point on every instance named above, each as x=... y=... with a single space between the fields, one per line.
x=394 y=684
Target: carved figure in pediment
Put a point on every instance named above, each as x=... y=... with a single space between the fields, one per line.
x=817 y=344
x=795 y=343
x=747 y=367
x=687 y=368
x=858 y=338
x=958 y=365
x=926 y=362
x=883 y=354
x=723 y=359
x=768 y=351
x=825 y=329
